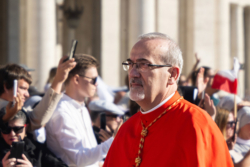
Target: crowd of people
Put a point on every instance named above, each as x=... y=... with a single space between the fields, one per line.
x=160 y=118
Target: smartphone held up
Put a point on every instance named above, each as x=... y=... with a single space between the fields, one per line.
x=14 y=91
x=72 y=50
x=17 y=149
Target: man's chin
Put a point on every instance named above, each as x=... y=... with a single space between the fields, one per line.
x=136 y=96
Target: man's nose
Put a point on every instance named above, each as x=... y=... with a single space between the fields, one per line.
x=27 y=94
x=134 y=71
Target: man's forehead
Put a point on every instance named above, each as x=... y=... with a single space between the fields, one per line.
x=23 y=82
x=151 y=44
x=148 y=50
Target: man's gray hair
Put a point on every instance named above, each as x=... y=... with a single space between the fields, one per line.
x=173 y=55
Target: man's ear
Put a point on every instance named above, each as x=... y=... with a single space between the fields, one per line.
x=7 y=91
x=174 y=74
x=76 y=79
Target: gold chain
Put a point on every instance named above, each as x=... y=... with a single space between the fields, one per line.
x=144 y=132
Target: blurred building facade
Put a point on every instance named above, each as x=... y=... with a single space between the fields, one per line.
x=38 y=32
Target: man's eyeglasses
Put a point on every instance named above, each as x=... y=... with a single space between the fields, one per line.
x=141 y=66
x=230 y=124
x=93 y=80
x=16 y=129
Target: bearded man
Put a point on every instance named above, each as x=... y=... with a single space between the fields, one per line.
x=168 y=130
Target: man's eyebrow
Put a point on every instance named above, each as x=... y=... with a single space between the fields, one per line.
x=138 y=60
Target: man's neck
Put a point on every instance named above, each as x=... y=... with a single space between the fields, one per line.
x=5 y=97
x=148 y=104
x=71 y=92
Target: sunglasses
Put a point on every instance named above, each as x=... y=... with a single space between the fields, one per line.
x=16 y=129
x=93 y=80
x=231 y=124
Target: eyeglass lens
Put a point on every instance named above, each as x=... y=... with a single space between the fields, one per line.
x=231 y=123
x=94 y=80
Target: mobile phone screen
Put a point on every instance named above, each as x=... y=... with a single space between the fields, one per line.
x=17 y=150
x=103 y=121
x=14 y=90
x=72 y=50
x=203 y=95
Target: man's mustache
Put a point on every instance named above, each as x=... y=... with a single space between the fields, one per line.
x=136 y=81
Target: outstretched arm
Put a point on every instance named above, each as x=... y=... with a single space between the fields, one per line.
x=12 y=110
x=44 y=110
x=194 y=67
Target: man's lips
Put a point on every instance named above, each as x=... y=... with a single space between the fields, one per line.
x=136 y=85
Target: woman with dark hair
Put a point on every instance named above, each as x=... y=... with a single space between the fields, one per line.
x=34 y=154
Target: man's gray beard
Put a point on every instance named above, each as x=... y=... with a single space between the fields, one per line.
x=136 y=95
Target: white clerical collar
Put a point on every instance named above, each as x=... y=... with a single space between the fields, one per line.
x=159 y=105
x=242 y=141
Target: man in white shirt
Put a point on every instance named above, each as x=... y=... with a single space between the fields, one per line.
x=69 y=132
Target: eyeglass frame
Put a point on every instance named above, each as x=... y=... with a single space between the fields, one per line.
x=17 y=129
x=137 y=66
x=231 y=124
x=93 y=80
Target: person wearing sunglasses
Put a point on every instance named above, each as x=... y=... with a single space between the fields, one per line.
x=226 y=123
x=34 y=154
x=113 y=115
x=69 y=132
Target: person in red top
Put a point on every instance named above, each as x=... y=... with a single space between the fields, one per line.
x=168 y=130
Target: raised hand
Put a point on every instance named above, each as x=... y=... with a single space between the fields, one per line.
x=197 y=58
x=12 y=110
x=62 y=73
x=24 y=162
x=8 y=162
x=209 y=106
x=201 y=83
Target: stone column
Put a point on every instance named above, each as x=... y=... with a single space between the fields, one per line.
x=247 y=49
x=13 y=31
x=240 y=51
x=186 y=34
x=23 y=32
x=124 y=29
x=59 y=29
x=3 y=32
x=141 y=19
x=167 y=21
x=236 y=45
x=110 y=42
x=222 y=37
x=41 y=39
x=204 y=30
